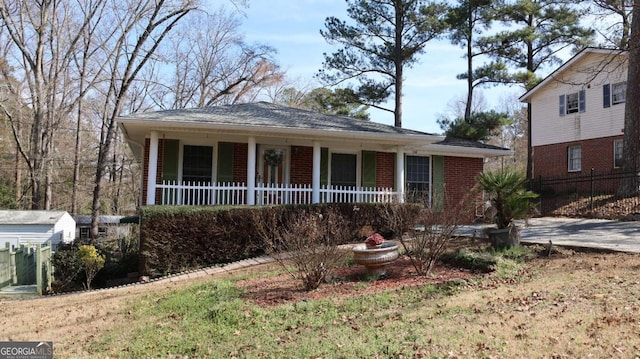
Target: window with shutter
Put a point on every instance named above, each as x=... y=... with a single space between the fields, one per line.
x=618 y=93
x=197 y=164
x=417 y=177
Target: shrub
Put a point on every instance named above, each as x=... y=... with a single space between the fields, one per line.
x=66 y=268
x=177 y=238
x=308 y=240
x=91 y=262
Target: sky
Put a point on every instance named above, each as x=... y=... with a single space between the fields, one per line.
x=292 y=27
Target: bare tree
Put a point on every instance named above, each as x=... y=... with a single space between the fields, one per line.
x=43 y=36
x=137 y=30
x=615 y=33
x=212 y=64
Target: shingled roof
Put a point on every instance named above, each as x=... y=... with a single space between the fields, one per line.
x=452 y=141
x=279 y=121
x=30 y=217
x=263 y=114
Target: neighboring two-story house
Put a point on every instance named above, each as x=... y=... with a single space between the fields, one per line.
x=577 y=115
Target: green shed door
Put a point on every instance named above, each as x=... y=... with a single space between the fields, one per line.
x=225 y=162
x=437 y=199
x=368 y=169
x=170 y=160
x=324 y=166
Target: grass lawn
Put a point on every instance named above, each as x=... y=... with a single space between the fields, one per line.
x=569 y=305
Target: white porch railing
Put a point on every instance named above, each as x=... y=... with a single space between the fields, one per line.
x=194 y=193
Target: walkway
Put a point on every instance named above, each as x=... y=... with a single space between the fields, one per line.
x=575 y=232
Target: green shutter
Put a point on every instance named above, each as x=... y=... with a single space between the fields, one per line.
x=438 y=182
x=170 y=160
x=368 y=169
x=225 y=162
x=324 y=166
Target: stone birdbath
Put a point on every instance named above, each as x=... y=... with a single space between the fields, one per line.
x=375 y=258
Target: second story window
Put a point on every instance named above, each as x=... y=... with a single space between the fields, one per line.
x=572 y=103
x=614 y=94
x=618 y=92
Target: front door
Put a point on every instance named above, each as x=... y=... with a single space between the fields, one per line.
x=272 y=170
x=273 y=173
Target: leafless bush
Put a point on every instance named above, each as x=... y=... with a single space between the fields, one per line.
x=425 y=234
x=305 y=243
x=429 y=238
x=399 y=218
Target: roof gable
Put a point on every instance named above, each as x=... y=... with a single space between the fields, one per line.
x=608 y=56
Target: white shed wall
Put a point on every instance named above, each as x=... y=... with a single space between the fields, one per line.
x=17 y=234
x=65 y=229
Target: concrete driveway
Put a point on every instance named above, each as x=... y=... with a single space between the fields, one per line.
x=576 y=232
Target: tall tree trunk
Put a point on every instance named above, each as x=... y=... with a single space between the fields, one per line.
x=76 y=164
x=467 y=107
x=397 y=111
x=630 y=185
x=18 y=171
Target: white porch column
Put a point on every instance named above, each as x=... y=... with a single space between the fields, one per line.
x=400 y=175
x=315 y=181
x=152 y=168
x=251 y=171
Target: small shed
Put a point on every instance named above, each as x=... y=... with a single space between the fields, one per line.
x=33 y=227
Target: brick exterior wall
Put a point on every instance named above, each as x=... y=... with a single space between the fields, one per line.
x=385 y=169
x=460 y=177
x=301 y=165
x=552 y=160
x=240 y=152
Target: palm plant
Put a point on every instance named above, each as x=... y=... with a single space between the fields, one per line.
x=509 y=197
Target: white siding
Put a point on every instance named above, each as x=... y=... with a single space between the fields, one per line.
x=589 y=74
x=65 y=229
x=27 y=233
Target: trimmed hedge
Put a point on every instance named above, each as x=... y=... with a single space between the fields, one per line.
x=179 y=238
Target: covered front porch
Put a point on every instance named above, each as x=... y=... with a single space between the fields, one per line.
x=270 y=181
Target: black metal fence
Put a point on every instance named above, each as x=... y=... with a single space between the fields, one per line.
x=595 y=194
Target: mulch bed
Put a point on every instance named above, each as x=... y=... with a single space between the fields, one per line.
x=346 y=281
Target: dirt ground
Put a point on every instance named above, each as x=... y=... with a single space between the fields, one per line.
x=72 y=320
